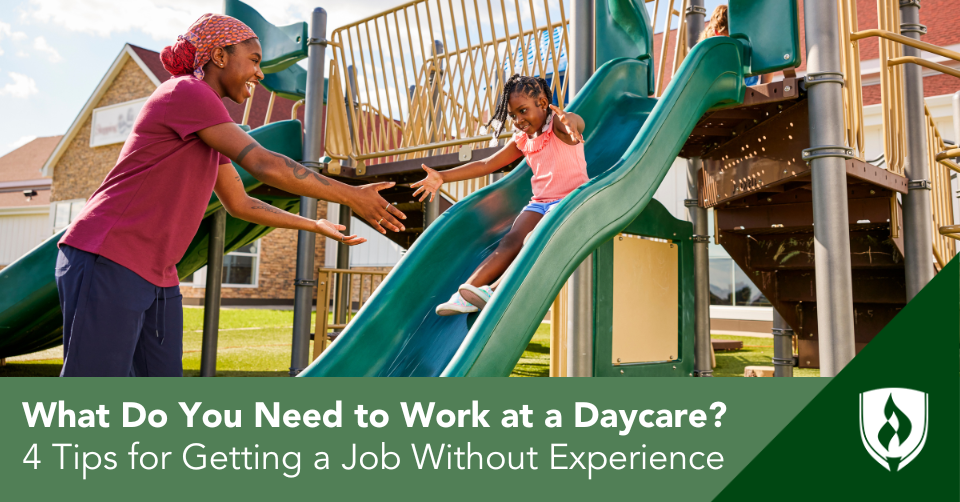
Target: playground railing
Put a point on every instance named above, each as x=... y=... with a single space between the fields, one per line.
x=893 y=112
x=422 y=78
x=340 y=294
x=680 y=43
x=944 y=248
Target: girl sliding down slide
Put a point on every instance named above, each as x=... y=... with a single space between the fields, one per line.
x=552 y=142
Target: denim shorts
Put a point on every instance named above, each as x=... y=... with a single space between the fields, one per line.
x=541 y=207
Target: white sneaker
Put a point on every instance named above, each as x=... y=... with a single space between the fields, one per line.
x=476 y=296
x=456 y=305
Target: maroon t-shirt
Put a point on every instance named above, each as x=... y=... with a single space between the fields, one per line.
x=149 y=207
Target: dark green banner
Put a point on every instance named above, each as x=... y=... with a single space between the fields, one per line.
x=886 y=427
x=280 y=437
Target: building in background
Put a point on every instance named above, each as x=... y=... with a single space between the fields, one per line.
x=25 y=209
x=262 y=272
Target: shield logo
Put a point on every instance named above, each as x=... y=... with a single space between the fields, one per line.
x=893 y=425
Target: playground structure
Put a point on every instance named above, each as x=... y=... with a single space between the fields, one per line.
x=798 y=208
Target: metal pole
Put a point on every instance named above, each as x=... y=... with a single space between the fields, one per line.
x=583 y=52
x=580 y=284
x=211 y=294
x=343 y=263
x=827 y=157
x=698 y=216
x=312 y=150
x=695 y=14
x=782 y=347
x=917 y=211
x=701 y=273
x=580 y=320
x=431 y=209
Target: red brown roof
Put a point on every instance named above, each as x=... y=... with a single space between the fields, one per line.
x=152 y=60
x=25 y=162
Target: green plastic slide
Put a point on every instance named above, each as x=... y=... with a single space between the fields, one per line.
x=632 y=140
x=30 y=317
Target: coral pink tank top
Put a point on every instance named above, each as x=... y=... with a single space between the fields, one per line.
x=558 y=168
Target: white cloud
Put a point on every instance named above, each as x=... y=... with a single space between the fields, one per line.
x=41 y=45
x=6 y=31
x=22 y=54
x=163 y=21
x=22 y=86
x=16 y=144
x=106 y=17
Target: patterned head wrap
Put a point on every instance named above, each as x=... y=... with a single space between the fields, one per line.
x=195 y=48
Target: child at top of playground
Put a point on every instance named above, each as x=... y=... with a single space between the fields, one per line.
x=116 y=271
x=552 y=142
x=718 y=27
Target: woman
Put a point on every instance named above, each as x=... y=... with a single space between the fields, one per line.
x=116 y=270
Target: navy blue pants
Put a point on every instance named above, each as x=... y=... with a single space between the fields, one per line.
x=115 y=323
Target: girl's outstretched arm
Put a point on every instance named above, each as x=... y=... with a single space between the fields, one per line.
x=569 y=128
x=470 y=170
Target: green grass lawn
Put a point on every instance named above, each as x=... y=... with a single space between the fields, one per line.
x=256 y=342
x=755 y=352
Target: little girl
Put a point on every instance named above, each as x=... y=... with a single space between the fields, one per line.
x=552 y=143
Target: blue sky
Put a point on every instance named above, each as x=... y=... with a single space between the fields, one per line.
x=53 y=53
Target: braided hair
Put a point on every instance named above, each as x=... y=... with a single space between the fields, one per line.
x=531 y=86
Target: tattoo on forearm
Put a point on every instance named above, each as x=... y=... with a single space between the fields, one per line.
x=300 y=172
x=243 y=153
x=268 y=208
x=237 y=177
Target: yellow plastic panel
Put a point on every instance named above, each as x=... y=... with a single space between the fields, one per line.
x=645 y=300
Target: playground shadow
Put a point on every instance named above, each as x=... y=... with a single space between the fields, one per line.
x=33 y=370
x=42 y=369
x=282 y=373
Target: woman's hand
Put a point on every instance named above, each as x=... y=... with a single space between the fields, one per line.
x=332 y=231
x=366 y=202
x=568 y=125
x=428 y=185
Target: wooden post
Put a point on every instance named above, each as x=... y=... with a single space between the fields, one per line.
x=320 y=332
x=558 y=335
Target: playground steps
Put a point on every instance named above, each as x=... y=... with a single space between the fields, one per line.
x=755 y=179
x=758 y=371
x=726 y=344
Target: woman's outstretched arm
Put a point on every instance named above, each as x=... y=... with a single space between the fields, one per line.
x=230 y=191
x=281 y=172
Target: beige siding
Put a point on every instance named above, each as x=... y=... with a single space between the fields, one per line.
x=20 y=233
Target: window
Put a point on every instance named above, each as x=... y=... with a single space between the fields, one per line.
x=240 y=269
x=731 y=286
x=65 y=212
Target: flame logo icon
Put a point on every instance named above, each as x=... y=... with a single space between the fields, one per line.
x=893 y=425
